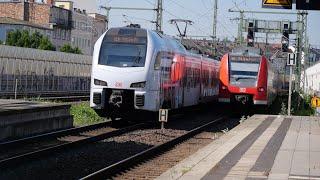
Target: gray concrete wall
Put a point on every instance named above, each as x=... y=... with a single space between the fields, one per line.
x=38 y=71
x=29 y=120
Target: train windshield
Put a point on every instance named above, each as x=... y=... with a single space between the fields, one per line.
x=244 y=73
x=121 y=51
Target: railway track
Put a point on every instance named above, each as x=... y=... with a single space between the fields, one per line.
x=67 y=98
x=85 y=159
x=32 y=148
x=49 y=96
x=113 y=170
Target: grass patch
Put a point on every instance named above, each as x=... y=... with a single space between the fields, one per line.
x=84 y=115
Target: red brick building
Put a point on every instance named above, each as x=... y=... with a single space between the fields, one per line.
x=42 y=14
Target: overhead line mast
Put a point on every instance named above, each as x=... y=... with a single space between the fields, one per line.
x=158 y=9
x=159 y=20
x=214 y=28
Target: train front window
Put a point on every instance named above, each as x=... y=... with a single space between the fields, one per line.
x=244 y=73
x=123 y=51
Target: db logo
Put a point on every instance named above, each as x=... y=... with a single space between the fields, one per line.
x=243 y=90
x=118 y=84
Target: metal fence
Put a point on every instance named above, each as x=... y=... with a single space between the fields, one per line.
x=37 y=72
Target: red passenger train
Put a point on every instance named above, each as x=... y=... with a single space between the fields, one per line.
x=246 y=76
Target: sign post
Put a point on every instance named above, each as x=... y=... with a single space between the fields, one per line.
x=163 y=117
x=291 y=61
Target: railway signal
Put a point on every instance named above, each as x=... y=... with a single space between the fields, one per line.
x=250 y=36
x=285 y=37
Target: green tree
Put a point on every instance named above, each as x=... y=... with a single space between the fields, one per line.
x=24 y=39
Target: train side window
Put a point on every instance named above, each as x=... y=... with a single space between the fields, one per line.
x=157 y=63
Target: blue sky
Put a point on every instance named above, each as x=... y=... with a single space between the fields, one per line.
x=200 y=12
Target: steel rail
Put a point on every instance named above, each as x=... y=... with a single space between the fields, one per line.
x=54 y=149
x=125 y=164
x=55 y=134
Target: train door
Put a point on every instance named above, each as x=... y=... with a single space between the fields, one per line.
x=177 y=76
x=164 y=79
x=191 y=84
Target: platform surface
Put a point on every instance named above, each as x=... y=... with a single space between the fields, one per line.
x=7 y=105
x=20 y=119
x=262 y=147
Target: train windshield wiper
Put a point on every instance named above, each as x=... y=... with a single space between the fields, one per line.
x=137 y=59
x=238 y=78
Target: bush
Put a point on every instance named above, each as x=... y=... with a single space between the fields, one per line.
x=84 y=115
x=300 y=105
x=45 y=44
x=35 y=40
x=69 y=49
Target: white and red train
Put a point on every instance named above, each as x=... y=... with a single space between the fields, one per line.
x=246 y=76
x=138 y=69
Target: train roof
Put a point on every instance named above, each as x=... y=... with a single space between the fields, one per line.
x=142 y=32
x=128 y=31
x=246 y=51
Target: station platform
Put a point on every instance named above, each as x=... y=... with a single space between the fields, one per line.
x=20 y=119
x=261 y=147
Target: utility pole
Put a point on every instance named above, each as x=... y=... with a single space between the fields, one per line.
x=290 y=92
x=302 y=49
x=240 y=28
x=107 y=8
x=159 y=14
x=214 y=28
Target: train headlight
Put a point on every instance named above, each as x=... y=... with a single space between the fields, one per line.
x=138 y=85
x=261 y=89
x=224 y=87
x=100 y=83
